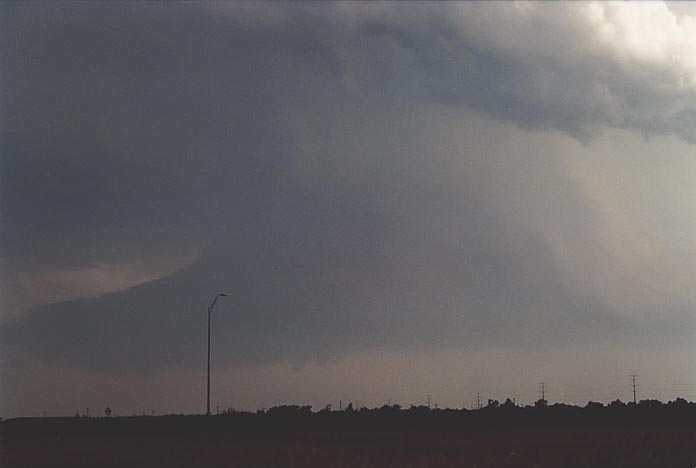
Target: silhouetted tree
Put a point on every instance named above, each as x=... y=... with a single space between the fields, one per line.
x=680 y=402
x=508 y=403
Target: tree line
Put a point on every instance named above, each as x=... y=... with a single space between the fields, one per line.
x=297 y=418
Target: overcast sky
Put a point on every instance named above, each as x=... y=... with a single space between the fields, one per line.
x=399 y=199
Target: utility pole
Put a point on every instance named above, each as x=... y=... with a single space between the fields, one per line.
x=210 y=309
x=478 y=401
x=543 y=391
x=633 y=384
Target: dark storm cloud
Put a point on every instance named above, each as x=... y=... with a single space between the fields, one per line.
x=123 y=119
x=388 y=262
x=139 y=114
x=302 y=136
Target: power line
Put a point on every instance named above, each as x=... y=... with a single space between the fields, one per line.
x=542 y=391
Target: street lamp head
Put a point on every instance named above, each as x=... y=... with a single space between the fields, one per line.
x=222 y=295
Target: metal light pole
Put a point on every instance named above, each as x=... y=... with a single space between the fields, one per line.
x=210 y=309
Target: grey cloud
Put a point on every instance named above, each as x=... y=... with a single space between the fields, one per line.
x=543 y=66
x=100 y=101
x=355 y=281
x=387 y=250
x=126 y=120
x=315 y=145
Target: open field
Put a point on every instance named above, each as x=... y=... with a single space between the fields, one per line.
x=661 y=447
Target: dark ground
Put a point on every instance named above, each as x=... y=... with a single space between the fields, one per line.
x=647 y=434
x=500 y=448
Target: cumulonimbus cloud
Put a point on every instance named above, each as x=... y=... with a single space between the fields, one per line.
x=321 y=142
x=575 y=67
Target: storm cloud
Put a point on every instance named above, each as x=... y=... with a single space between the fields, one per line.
x=355 y=176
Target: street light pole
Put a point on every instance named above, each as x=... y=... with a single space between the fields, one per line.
x=210 y=309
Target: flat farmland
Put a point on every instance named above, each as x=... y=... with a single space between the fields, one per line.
x=492 y=448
